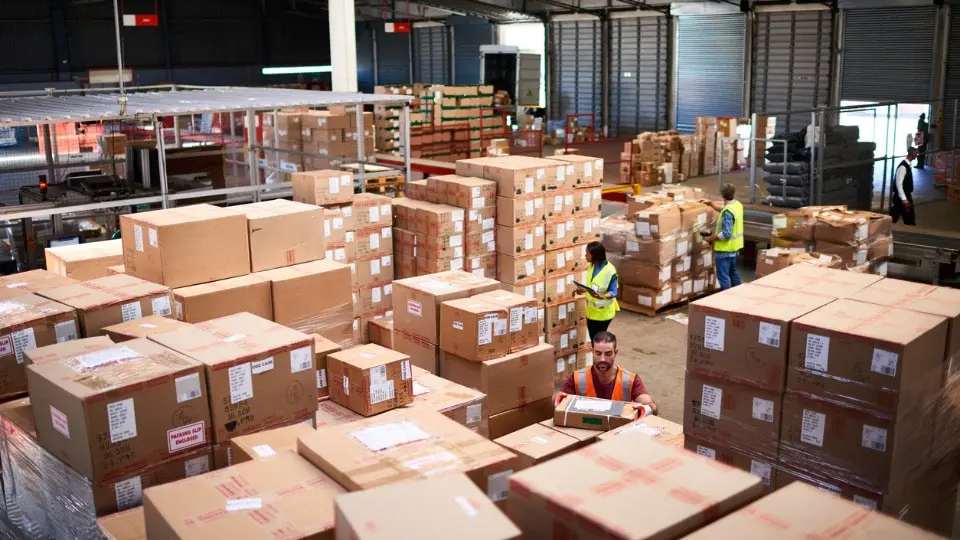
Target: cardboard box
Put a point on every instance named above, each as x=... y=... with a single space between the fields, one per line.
x=512 y=381
x=322 y=187
x=311 y=296
x=322 y=347
x=267 y=443
x=562 y=261
x=534 y=291
x=252 y=293
x=251 y=363
x=283 y=233
x=31 y=282
x=299 y=498
x=438 y=219
x=464 y=405
x=880 y=358
x=483 y=265
x=370 y=379
x=331 y=414
x=743 y=458
x=126 y=525
x=111 y=300
x=521 y=240
x=593 y=414
x=474 y=329
x=732 y=414
x=524 y=327
x=480 y=220
x=850 y=227
x=653 y=299
x=373 y=242
x=654 y=427
x=416 y=301
x=822 y=281
x=771 y=260
x=537 y=443
x=434 y=509
x=363 y=454
x=583 y=436
x=588 y=199
x=27 y=322
x=658 y=221
x=560 y=288
x=642 y=274
x=65 y=349
x=515 y=176
x=586 y=171
x=578 y=493
x=375 y=299
x=587 y=228
x=185 y=245
x=563 y=315
x=381 y=331
x=559 y=203
x=422 y=353
x=746 y=322
x=806 y=511
x=518 y=418
x=84 y=261
x=141 y=328
x=696 y=216
x=521 y=270
x=560 y=232
x=372 y=211
x=86 y=407
x=465 y=192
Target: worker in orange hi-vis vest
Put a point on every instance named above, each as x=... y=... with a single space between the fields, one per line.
x=607 y=380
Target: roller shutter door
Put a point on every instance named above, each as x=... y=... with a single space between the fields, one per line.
x=575 y=82
x=952 y=93
x=888 y=54
x=431 y=55
x=639 y=58
x=710 y=58
x=393 y=57
x=468 y=36
x=791 y=64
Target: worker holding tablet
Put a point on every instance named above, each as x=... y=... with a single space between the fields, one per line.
x=600 y=289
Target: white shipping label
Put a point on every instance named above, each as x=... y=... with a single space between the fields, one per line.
x=187 y=387
x=23 y=340
x=528 y=241
x=560 y=365
x=588 y=226
x=528 y=267
x=874 y=438
x=321 y=378
x=122 y=419
x=301 y=359
x=161 y=306
x=264 y=450
x=386 y=232
x=558 y=203
x=779 y=222
x=261 y=366
x=484 y=332
x=196 y=466
x=497 y=485
x=528 y=185
x=333 y=185
x=384 y=210
x=564 y=341
x=706 y=452
x=66 y=331
x=561 y=174
x=763 y=409
x=131 y=311
x=241 y=383
x=405 y=370
x=528 y=208
x=375 y=267
x=643 y=228
x=884 y=362
x=237 y=505
x=499 y=327
x=129 y=493
x=381 y=392
x=374 y=214
x=633 y=246
x=769 y=334
x=713 y=333
x=60 y=421
x=568 y=200
x=562 y=312
x=710 y=401
x=378 y=374
x=382 y=436
x=152 y=237
x=374 y=241
x=592 y=405
x=531 y=316
x=516 y=319
x=138 y=237
x=474 y=413
x=346 y=385
x=812 y=428
x=375 y=294
x=326 y=227
x=817 y=352
x=585 y=200
x=478 y=202
x=561 y=230
x=762 y=470
x=588 y=169
x=487 y=237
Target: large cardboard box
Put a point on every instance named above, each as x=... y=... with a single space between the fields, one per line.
x=746 y=322
x=526 y=239
x=807 y=512
x=466 y=406
x=581 y=492
x=433 y=509
x=267 y=443
x=269 y=498
x=509 y=382
x=186 y=245
x=120 y=408
x=581 y=171
x=111 y=300
x=26 y=323
x=879 y=358
x=251 y=293
x=565 y=314
x=464 y=192
x=524 y=326
x=311 y=297
x=416 y=301
x=515 y=176
x=283 y=233
x=372 y=211
x=323 y=347
x=593 y=413
x=31 y=281
x=521 y=210
x=422 y=353
x=474 y=329
x=65 y=349
x=322 y=187
x=520 y=417
x=370 y=379
x=521 y=270
x=84 y=261
x=259 y=374
x=762 y=466
x=850 y=227
x=363 y=454
x=655 y=427
x=815 y=280
x=438 y=219
x=537 y=443
x=141 y=328
x=658 y=221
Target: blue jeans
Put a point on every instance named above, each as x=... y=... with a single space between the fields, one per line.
x=727 y=274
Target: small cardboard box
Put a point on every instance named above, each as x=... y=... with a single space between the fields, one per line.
x=28 y=322
x=267 y=443
x=251 y=293
x=823 y=281
x=562 y=261
x=322 y=347
x=186 y=245
x=524 y=327
x=291 y=490
x=331 y=414
x=307 y=296
x=521 y=240
x=372 y=211
x=65 y=349
x=580 y=492
x=84 y=261
x=31 y=281
x=658 y=221
x=512 y=381
x=260 y=374
x=464 y=405
x=362 y=455
x=534 y=291
x=283 y=233
x=433 y=509
x=522 y=270
x=141 y=328
x=588 y=199
x=370 y=379
x=416 y=301
x=771 y=260
x=374 y=242
x=119 y=408
x=593 y=413
x=474 y=329
x=521 y=210
x=537 y=443
x=338 y=221
x=483 y=265
x=559 y=203
x=322 y=187
x=111 y=300
x=652 y=426
x=652 y=299
x=381 y=331
x=438 y=219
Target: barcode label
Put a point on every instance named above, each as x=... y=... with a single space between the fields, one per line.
x=874 y=438
x=884 y=362
x=187 y=387
x=763 y=409
x=769 y=334
x=497 y=485
x=301 y=359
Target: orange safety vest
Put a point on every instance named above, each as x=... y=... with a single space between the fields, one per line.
x=623 y=386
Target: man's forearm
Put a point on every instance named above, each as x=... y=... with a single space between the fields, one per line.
x=646 y=399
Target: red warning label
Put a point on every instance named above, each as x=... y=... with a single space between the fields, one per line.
x=186 y=437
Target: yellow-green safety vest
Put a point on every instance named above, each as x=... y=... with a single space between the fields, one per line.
x=601 y=309
x=735 y=242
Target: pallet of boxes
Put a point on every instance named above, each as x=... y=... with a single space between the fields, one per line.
x=655 y=158
x=387 y=119
x=327 y=137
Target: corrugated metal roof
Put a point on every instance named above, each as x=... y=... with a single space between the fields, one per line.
x=484 y=10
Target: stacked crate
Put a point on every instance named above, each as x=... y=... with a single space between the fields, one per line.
x=478 y=200
x=429 y=236
x=283 y=131
x=663 y=157
x=372 y=261
x=387 y=119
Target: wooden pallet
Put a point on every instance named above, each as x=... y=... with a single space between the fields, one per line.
x=385 y=181
x=649 y=312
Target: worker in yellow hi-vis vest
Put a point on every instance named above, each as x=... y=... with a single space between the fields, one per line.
x=601 y=292
x=727 y=238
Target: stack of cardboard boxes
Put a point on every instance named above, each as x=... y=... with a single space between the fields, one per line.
x=773 y=259
x=664 y=157
x=328 y=136
x=283 y=133
x=84 y=261
x=388 y=118
x=478 y=199
x=429 y=237
x=713 y=136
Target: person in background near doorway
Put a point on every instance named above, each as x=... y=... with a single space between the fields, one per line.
x=607 y=380
x=923 y=134
x=601 y=296
x=727 y=237
x=901 y=192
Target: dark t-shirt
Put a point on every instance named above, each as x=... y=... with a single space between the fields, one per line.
x=604 y=391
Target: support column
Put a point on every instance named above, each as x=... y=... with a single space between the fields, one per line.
x=343 y=45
